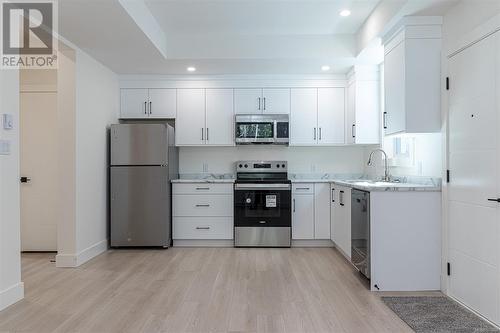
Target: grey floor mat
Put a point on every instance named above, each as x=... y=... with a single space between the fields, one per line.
x=436 y=314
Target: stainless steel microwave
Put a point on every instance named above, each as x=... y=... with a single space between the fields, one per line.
x=262 y=129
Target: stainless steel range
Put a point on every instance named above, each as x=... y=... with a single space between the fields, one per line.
x=262 y=204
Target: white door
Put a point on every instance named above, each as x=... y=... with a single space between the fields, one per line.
x=333 y=205
x=276 y=100
x=350 y=122
x=190 y=120
x=342 y=220
x=331 y=110
x=248 y=101
x=220 y=117
x=38 y=162
x=303 y=216
x=303 y=118
x=394 y=78
x=322 y=211
x=133 y=103
x=162 y=103
x=473 y=220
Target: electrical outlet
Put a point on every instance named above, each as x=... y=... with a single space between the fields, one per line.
x=8 y=121
x=4 y=147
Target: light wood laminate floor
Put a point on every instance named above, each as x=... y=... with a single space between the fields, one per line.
x=199 y=290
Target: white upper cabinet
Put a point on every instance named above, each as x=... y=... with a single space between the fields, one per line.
x=331 y=111
x=303 y=118
x=219 y=117
x=322 y=211
x=147 y=103
x=257 y=100
x=317 y=116
x=204 y=117
x=412 y=78
x=162 y=103
x=134 y=103
x=190 y=122
x=363 y=106
x=276 y=100
x=248 y=101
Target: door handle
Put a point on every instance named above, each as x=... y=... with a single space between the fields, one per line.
x=202 y=205
x=150 y=107
x=202 y=228
x=202 y=188
x=320 y=133
x=314 y=133
x=385 y=120
x=207 y=133
x=145 y=107
x=25 y=179
x=302 y=188
x=294 y=205
x=493 y=199
x=202 y=134
x=259 y=103
x=333 y=195
x=341 y=198
x=264 y=104
x=353 y=130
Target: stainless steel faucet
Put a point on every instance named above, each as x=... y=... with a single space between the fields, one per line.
x=386 y=174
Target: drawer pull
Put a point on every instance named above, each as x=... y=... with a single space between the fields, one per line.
x=202 y=205
x=302 y=188
x=202 y=188
x=202 y=228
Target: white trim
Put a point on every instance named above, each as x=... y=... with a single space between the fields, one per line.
x=475 y=312
x=11 y=295
x=312 y=243
x=26 y=88
x=476 y=35
x=204 y=243
x=75 y=260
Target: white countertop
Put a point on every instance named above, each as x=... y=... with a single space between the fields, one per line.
x=204 y=178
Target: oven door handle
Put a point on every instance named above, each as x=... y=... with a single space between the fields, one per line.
x=241 y=187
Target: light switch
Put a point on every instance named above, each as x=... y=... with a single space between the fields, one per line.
x=8 y=121
x=4 y=147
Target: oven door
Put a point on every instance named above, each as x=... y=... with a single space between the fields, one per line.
x=262 y=205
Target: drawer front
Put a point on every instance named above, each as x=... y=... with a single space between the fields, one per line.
x=202 y=228
x=303 y=188
x=202 y=205
x=202 y=188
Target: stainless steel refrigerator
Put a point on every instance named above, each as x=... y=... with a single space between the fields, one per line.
x=144 y=160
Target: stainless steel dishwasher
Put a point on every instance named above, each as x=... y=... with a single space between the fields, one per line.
x=360 y=231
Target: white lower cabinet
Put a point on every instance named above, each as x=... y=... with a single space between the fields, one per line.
x=311 y=211
x=202 y=211
x=342 y=219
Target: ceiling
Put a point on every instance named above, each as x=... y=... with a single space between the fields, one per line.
x=218 y=36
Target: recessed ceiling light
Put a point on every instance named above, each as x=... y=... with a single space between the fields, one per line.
x=191 y=69
x=345 y=13
x=325 y=68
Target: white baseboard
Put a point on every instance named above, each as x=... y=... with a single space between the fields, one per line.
x=204 y=243
x=312 y=243
x=11 y=295
x=75 y=260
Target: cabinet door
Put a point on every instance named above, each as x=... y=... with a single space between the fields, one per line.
x=333 y=203
x=322 y=211
x=303 y=216
x=163 y=103
x=394 y=76
x=303 y=118
x=350 y=122
x=342 y=234
x=190 y=121
x=331 y=110
x=220 y=117
x=133 y=103
x=248 y=101
x=276 y=100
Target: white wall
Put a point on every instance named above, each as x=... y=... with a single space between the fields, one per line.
x=11 y=287
x=300 y=159
x=83 y=234
x=97 y=106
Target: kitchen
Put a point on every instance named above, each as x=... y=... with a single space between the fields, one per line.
x=264 y=189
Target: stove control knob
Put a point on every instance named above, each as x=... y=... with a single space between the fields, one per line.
x=248 y=200
x=277 y=165
x=246 y=165
x=240 y=166
x=282 y=165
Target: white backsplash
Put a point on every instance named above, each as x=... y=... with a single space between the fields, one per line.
x=300 y=159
